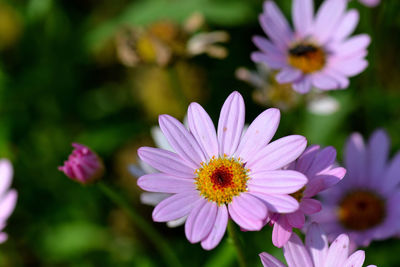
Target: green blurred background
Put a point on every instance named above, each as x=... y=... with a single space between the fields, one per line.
x=63 y=80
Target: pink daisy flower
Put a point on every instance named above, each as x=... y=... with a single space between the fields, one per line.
x=319 y=51
x=365 y=204
x=316 y=252
x=8 y=198
x=214 y=176
x=318 y=166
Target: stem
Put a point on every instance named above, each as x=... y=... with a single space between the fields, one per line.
x=236 y=244
x=148 y=229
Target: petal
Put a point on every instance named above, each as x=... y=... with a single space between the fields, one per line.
x=378 y=151
x=338 y=251
x=332 y=177
x=324 y=82
x=259 y=133
x=164 y=183
x=347 y=24
x=310 y=206
x=323 y=161
x=352 y=45
x=272 y=61
x=230 y=124
x=288 y=75
x=202 y=127
x=296 y=219
x=327 y=18
x=160 y=139
x=296 y=254
x=248 y=212
x=392 y=175
x=175 y=207
x=278 y=153
x=356 y=259
x=303 y=13
x=276 y=182
x=302 y=86
x=218 y=230
x=317 y=244
x=278 y=203
x=266 y=46
x=7 y=204
x=3 y=237
x=6 y=174
x=152 y=199
x=281 y=232
x=181 y=140
x=176 y=223
x=355 y=158
x=270 y=261
x=306 y=159
x=136 y=170
x=350 y=67
x=166 y=161
x=200 y=220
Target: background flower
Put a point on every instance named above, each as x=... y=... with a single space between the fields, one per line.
x=8 y=198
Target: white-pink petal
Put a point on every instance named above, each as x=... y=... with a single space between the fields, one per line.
x=356 y=259
x=200 y=220
x=7 y=204
x=6 y=173
x=165 y=183
x=270 y=261
x=278 y=203
x=248 y=212
x=218 y=229
x=338 y=251
x=296 y=254
x=175 y=207
x=317 y=244
x=281 y=232
x=276 y=182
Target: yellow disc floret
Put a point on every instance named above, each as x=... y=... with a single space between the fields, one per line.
x=221 y=179
x=307 y=57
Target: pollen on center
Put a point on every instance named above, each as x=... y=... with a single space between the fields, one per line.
x=221 y=179
x=307 y=57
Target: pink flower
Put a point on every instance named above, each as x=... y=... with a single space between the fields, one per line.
x=319 y=52
x=216 y=175
x=8 y=198
x=316 y=252
x=318 y=165
x=83 y=165
x=365 y=204
x=370 y=3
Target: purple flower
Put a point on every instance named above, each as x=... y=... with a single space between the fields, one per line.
x=316 y=252
x=370 y=3
x=83 y=165
x=365 y=204
x=8 y=198
x=214 y=176
x=318 y=165
x=319 y=51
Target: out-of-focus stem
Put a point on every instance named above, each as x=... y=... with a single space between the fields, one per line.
x=236 y=243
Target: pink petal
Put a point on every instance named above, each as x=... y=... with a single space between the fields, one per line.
x=278 y=203
x=276 y=182
x=310 y=206
x=6 y=174
x=248 y=212
x=181 y=141
x=296 y=254
x=166 y=162
x=314 y=186
x=378 y=151
x=317 y=244
x=347 y=25
x=352 y=45
x=270 y=261
x=164 y=183
x=323 y=160
x=202 y=127
x=230 y=124
x=327 y=19
x=288 y=75
x=278 y=153
x=200 y=220
x=356 y=259
x=218 y=230
x=281 y=232
x=7 y=204
x=296 y=219
x=350 y=67
x=303 y=13
x=302 y=86
x=332 y=177
x=259 y=133
x=175 y=207
x=355 y=158
x=338 y=251
x=307 y=158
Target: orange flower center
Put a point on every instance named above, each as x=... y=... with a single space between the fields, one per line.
x=307 y=57
x=221 y=179
x=298 y=195
x=361 y=210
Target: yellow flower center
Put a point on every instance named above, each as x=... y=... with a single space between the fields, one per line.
x=221 y=179
x=307 y=57
x=298 y=195
x=361 y=210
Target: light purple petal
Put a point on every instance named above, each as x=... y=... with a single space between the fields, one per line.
x=278 y=203
x=392 y=175
x=350 y=67
x=338 y=251
x=340 y=78
x=200 y=220
x=296 y=254
x=7 y=204
x=352 y=45
x=303 y=13
x=288 y=75
x=248 y=212
x=281 y=232
x=296 y=219
x=356 y=259
x=270 y=60
x=276 y=182
x=378 y=151
x=164 y=183
x=370 y=3
x=317 y=244
x=323 y=81
x=314 y=186
x=230 y=124
x=310 y=206
x=347 y=25
x=175 y=207
x=307 y=158
x=181 y=140
x=270 y=261
x=327 y=18
x=302 y=86
x=355 y=158
x=166 y=161
x=278 y=154
x=202 y=127
x=323 y=160
x=259 y=133
x=332 y=177
x=6 y=173
x=218 y=230
x=267 y=47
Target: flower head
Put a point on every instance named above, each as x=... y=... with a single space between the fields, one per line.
x=318 y=166
x=316 y=252
x=319 y=51
x=365 y=203
x=8 y=198
x=216 y=175
x=83 y=165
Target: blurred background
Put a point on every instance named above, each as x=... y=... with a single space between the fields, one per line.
x=99 y=73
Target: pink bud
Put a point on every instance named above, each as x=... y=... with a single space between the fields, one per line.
x=83 y=165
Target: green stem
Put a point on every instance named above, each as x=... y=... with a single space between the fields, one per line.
x=159 y=242
x=236 y=244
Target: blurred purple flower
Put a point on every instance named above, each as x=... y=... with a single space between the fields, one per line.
x=8 y=198
x=216 y=175
x=365 y=204
x=318 y=165
x=370 y=3
x=316 y=252
x=83 y=165
x=319 y=52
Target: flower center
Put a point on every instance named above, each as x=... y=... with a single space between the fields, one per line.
x=306 y=57
x=221 y=179
x=298 y=195
x=361 y=210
